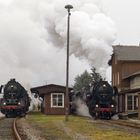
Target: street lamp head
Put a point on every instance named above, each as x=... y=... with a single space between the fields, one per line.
x=68 y=7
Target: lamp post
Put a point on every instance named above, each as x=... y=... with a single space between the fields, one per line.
x=68 y=7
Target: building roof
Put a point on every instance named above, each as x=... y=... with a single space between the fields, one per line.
x=127 y=53
x=46 y=86
x=130 y=91
x=132 y=75
x=46 y=89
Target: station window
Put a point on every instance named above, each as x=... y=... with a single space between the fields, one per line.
x=135 y=102
x=132 y=102
x=57 y=100
x=129 y=102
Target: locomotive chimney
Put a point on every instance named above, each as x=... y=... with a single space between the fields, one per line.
x=12 y=79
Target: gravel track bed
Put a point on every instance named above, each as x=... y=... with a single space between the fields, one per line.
x=6 y=132
x=105 y=124
x=27 y=132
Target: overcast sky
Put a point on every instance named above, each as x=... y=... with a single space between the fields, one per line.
x=33 y=37
x=125 y=14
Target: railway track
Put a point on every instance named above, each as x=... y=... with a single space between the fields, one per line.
x=126 y=126
x=126 y=123
x=8 y=130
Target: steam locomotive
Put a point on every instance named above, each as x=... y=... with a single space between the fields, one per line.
x=100 y=100
x=15 y=101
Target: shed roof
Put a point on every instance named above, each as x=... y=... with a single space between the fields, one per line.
x=46 y=86
x=45 y=89
x=127 y=53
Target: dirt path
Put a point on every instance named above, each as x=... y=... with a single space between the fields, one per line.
x=69 y=132
x=30 y=132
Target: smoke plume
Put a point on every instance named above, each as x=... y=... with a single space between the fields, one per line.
x=81 y=107
x=91 y=31
x=33 y=39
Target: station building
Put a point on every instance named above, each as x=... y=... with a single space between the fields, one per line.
x=125 y=62
x=53 y=98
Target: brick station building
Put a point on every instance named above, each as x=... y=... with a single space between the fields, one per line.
x=54 y=98
x=125 y=62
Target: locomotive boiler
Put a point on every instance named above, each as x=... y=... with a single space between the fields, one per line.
x=15 y=101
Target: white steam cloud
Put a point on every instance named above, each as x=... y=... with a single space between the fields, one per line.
x=33 y=39
x=81 y=107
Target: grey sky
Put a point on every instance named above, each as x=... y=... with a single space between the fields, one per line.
x=33 y=37
x=125 y=14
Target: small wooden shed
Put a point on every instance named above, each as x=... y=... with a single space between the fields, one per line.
x=54 y=98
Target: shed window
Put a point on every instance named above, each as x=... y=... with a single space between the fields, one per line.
x=57 y=100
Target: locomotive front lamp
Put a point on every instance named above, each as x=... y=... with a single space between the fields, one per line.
x=4 y=103
x=19 y=103
x=112 y=106
x=104 y=85
x=68 y=7
x=97 y=105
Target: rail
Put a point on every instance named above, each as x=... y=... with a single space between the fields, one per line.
x=126 y=123
x=15 y=130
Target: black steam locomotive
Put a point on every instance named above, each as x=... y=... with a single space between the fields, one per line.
x=15 y=101
x=100 y=100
